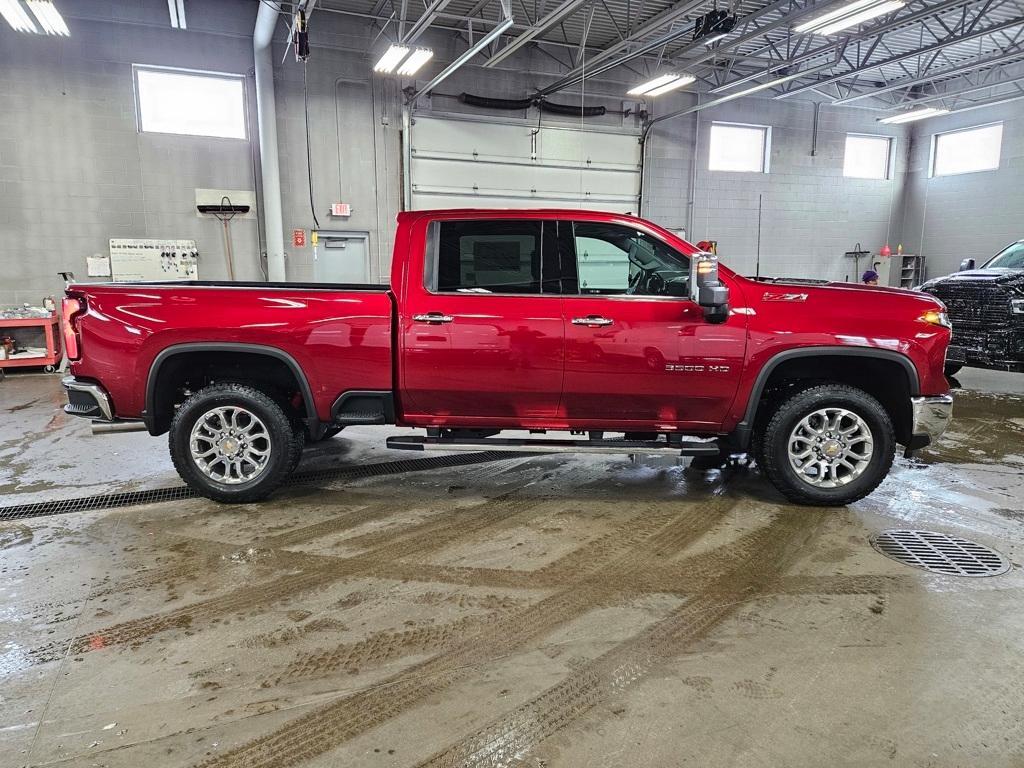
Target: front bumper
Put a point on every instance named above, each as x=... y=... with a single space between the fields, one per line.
x=930 y=418
x=87 y=399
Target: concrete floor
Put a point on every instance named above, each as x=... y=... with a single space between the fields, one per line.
x=548 y=611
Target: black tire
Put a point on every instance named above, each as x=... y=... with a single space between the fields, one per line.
x=774 y=444
x=952 y=369
x=285 y=442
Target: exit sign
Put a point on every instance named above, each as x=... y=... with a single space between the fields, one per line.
x=341 y=209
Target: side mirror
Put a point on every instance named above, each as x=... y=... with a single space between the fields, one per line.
x=966 y=264
x=706 y=289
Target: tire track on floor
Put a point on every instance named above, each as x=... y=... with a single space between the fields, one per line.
x=435 y=533
x=328 y=726
x=518 y=732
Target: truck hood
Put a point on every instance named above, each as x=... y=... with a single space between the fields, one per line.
x=800 y=291
x=1002 y=277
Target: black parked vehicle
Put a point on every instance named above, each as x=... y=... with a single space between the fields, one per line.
x=986 y=306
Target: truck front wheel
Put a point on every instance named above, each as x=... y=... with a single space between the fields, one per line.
x=233 y=443
x=828 y=445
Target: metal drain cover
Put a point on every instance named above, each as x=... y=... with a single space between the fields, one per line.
x=940 y=553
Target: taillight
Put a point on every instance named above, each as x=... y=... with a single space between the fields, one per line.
x=70 y=309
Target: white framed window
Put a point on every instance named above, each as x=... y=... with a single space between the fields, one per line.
x=739 y=147
x=967 y=150
x=867 y=156
x=190 y=102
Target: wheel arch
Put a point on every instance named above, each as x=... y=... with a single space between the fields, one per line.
x=155 y=415
x=837 y=364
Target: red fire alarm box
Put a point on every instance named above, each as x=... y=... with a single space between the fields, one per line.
x=298 y=238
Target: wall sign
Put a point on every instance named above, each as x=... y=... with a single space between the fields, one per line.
x=298 y=238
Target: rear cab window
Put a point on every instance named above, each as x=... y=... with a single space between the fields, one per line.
x=492 y=256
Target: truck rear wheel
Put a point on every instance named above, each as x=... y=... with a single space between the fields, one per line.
x=828 y=445
x=233 y=443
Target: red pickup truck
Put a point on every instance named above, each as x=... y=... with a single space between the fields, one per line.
x=602 y=325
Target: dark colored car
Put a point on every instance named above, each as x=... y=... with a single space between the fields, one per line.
x=986 y=306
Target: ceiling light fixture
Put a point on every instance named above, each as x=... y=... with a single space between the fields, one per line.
x=416 y=59
x=848 y=15
x=909 y=117
x=49 y=17
x=394 y=54
x=176 y=10
x=662 y=84
x=713 y=26
x=761 y=86
x=15 y=15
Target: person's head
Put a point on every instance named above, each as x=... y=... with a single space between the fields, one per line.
x=870 y=277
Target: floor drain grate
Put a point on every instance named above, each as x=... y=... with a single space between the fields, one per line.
x=940 y=553
x=175 y=493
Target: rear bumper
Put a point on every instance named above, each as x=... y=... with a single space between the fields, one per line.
x=87 y=399
x=930 y=418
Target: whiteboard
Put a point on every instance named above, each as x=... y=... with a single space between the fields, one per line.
x=153 y=259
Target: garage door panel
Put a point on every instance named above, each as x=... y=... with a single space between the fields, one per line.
x=480 y=163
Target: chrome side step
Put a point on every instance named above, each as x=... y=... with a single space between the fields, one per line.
x=684 y=448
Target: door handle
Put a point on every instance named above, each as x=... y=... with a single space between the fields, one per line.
x=435 y=318
x=592 y=321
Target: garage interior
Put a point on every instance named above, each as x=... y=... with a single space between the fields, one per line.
x=482 y=608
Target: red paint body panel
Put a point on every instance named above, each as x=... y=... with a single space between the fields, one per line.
x=506 y=360
x=341 y=339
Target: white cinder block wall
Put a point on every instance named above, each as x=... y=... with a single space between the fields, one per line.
x=74 y=171
x=950 y=218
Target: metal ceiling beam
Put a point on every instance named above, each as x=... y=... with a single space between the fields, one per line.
x=871 y=33
x=597 y=62
x=470 y=52
x=960 y=69
x=960 y=92
x=423 y=22
x=556 y=16
x=938 y=46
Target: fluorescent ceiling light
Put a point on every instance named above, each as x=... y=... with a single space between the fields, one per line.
x=416 y=59
x=858 y=18
x=762 y=86
x=848 y=15
x=393 y=55
x=49 y=17
x=660 y=85
x=176 y=10
x=713 y=38
x=15 y=15
x=917 y=114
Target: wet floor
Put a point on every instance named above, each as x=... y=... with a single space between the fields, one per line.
x=544 y=611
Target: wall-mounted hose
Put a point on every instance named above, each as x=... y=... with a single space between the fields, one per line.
x=571 y=109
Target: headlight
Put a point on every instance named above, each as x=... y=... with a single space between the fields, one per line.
x=1017 y=306
x=938 y=317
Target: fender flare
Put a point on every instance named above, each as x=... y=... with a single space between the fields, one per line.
x=745 y=427
x=312 y=420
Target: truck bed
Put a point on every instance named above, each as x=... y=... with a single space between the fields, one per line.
x=339 y=336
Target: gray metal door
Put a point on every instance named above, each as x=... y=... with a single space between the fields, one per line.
x=342 y=257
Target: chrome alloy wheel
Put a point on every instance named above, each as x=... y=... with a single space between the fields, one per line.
x=230 y=445
x=830 y=447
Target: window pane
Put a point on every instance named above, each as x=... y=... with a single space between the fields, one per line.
x=613 y=259
x=867 y=157
x=191 y=104
x=1011 y=257
x=489 y=256
x=737 y=148
x=976 y=149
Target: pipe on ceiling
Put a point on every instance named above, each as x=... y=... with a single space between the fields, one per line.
x=266 y=117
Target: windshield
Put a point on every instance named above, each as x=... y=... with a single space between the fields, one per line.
x=1011 y=257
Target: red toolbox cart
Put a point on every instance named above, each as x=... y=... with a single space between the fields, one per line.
x=33 y=332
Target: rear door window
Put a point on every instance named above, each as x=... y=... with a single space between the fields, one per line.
x=487 y=256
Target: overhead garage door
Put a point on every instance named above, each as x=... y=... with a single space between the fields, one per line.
x=469 y=162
